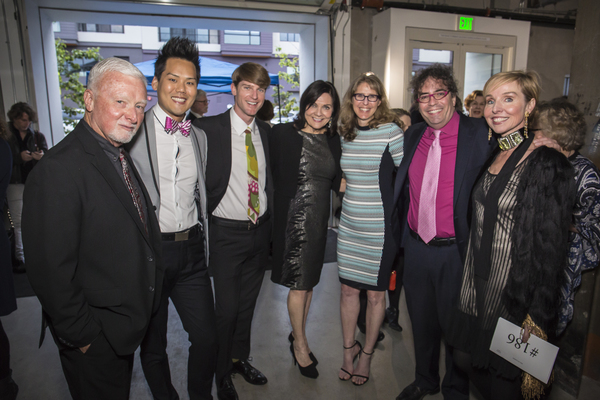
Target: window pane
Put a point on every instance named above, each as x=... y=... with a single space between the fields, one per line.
x=164 y=34
x=117 y=28
x=214 y=36
x=479 y=67
x=102 y=28
x=56 y=26
x=90 y=28
x=423 y=58
x=255 y=40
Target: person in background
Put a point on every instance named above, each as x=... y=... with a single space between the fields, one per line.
x=199 y=106
x=521 y=212
x=8 y=301
x=372 y=148
x=266 y=113
x=563 y=122
x=443 y=157
x=92 y=239
x=239 y=192
x=305 y=160
x=170 y=154
x=474 y=104
x=28 y=147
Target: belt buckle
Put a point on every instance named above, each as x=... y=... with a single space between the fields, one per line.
x=181 y=236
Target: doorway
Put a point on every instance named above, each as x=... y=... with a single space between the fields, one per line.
x=474 y=57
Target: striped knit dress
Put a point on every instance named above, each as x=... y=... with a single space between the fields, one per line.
x=365 y=249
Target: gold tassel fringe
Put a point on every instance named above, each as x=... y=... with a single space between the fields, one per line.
x=532 y=388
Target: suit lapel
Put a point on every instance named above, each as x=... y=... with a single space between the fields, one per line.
x=101 y=162
x=411 y=142
x=464 y=152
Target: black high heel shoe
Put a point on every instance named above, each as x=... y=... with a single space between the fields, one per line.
x=356 y=342
x=291 y=338
x=310 y=371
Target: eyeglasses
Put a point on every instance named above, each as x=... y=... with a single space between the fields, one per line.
x=361 y=97
x=440 y=94
x=203 y=101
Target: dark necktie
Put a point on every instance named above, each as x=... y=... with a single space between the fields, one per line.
x=132 y=189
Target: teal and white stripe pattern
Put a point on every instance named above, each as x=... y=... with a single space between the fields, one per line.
x=362 y=229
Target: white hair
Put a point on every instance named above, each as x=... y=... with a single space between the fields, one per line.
x=113 y=64
x=200 y=93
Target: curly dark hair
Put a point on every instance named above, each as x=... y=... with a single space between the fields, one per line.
x=177 y=47
x=438 y=72
x=18 y=109
x=310 y=96
x=561 y=121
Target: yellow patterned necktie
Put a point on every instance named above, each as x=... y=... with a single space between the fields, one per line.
x=253 y=203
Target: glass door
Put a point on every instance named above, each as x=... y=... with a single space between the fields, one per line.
x=473 y=57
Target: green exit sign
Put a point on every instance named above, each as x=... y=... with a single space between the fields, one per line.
x=465 y=24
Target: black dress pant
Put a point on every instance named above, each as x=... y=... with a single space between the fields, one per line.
x=432 y=281
x=97 y=374
x=237 y=261
x=187 y=283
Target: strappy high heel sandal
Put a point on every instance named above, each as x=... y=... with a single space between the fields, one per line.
x=366 y=378
x=356 y=342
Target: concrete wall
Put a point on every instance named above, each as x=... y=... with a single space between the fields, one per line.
x=550 y=52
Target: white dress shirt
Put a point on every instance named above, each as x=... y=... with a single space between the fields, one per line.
x=234 y=204
x=177 y=176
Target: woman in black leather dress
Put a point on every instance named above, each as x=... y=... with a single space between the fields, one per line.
x=305 y=160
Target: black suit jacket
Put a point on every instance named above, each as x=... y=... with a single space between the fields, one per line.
x=218 y=161
x=89 y=259
x=473 y=150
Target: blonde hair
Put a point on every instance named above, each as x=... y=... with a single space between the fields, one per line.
x=528 y=81
x=383 y=115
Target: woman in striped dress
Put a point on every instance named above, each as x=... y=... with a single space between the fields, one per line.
x=372 y=148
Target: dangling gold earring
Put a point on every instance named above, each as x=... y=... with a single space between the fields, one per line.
x=526 y=116
x=489 y=134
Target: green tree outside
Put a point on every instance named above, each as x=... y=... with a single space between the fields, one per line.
x=68 y=77
x=288 y=103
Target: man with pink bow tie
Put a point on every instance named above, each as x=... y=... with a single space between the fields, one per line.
x=170 y=155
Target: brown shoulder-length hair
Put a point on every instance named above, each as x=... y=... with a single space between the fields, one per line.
x=348 y=121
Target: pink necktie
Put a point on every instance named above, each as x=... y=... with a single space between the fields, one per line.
x=172 y=126
x=427 y=202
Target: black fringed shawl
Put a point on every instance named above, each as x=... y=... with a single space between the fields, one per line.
x=545 y=198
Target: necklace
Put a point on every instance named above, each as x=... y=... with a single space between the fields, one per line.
x=510 y=141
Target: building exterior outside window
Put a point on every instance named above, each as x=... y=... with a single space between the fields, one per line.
x=100 y=28
x=289 y=37
x=195 y=35
x=242 y=37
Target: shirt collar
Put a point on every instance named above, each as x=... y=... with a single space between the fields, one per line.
x=238 y=126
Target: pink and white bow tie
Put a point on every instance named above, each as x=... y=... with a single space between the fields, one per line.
x=172 y=126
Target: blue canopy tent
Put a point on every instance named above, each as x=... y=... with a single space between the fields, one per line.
x=215 y=76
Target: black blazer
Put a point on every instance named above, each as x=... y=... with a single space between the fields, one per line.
x=473 y=150
x=218 y=160
x=285 y=147
x=89 y=259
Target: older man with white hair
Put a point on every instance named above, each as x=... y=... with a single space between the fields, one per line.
x=93 y=238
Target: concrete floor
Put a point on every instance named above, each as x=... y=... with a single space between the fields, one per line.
x=39 y=375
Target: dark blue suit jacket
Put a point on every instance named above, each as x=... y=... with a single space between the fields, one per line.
x=473 y=151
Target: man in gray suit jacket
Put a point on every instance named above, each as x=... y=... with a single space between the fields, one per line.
x=170 y=155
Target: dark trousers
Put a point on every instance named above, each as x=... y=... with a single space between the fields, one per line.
x=99 y=374
x=432 y=280
x=237 y=260
x=187 y=283
x=4 y=353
